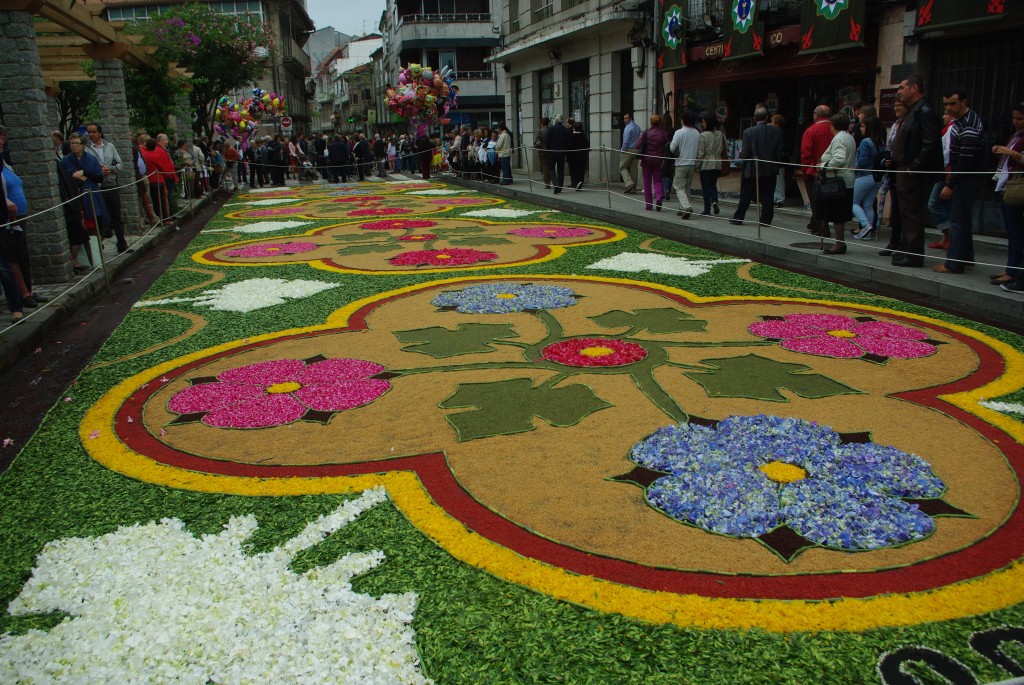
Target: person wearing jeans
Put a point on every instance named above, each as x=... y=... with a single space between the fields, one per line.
x=710 y=149
x=865 y=187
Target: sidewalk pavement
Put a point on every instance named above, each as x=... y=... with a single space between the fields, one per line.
x=65 y=298
x=787 y=243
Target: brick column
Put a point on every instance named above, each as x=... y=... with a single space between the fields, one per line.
x=114 y=118
x=26 y=116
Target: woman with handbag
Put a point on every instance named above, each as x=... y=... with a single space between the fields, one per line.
x=1010 y=182
x=833 y=187
x=711 y=161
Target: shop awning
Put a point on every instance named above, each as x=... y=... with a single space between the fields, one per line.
x=941 y=15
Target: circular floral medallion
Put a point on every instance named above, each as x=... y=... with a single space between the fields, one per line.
x=501 y=298
x=594 y=352
x=832 y=335
x=452 y=257
x=550 y=232
x=278 y=392
x=380 y=211
x=392 y=224
x=272 y=249
x=749 y=475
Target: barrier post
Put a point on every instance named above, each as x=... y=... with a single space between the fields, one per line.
x=529 y=174
x=757 y=191
x=607 y=176
x=99 y=242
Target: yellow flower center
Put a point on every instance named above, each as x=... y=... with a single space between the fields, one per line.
x=781 y=472
x=273 y=249
x=281 y=388
x=596 y=351
x=444 y=256
x=551 y=231
x=506 y=296
x=842 y=334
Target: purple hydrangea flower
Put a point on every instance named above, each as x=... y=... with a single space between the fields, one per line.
x=752 y=474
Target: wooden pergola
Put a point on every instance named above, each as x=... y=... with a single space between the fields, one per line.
x=69 y=33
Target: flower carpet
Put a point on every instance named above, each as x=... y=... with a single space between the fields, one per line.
x=409 y=432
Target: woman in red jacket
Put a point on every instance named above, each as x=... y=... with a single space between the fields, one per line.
x=161 y=175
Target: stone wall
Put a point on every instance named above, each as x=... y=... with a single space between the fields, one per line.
x=27 y=117
x=114 y=117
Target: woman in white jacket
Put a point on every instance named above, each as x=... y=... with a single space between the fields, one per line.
x=838 y=160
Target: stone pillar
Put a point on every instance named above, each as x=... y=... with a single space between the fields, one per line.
x=183 y=117
x=51 y=106
x=26 y=116
x=114 y=118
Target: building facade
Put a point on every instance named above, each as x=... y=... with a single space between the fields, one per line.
x=590 y=60
x=460 y=34
x=288 y=66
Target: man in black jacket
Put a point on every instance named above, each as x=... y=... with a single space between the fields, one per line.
x=336 y=160
x=916 y=155
x=556 y=141
x=761 y=150
x=380 y=154
x=424 y=152
x=363 y=156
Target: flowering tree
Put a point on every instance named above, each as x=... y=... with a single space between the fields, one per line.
x=224 y=52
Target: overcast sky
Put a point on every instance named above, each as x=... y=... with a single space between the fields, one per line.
x=354 y=17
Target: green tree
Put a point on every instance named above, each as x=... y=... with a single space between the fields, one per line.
x=150 y=95
x=76 y=104
x=224 y=52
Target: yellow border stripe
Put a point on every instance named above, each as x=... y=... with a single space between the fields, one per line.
x=998 y=590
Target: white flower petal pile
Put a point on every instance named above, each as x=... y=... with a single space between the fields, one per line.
x=1003 y=407
x=502 y=213
x=260 y=227
x=439 y=191
x=265 y=203
x=250 y=295
x=634 y=262
x=154 y=604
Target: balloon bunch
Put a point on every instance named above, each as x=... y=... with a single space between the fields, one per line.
x=240 y=120
x=423 y=95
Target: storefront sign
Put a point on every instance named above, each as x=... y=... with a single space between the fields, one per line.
x=776 y=38
x=886 y=100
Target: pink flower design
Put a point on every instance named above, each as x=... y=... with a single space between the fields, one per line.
x=272 y=249
x=420 y=237
x=843 y=337
x=279 y=392
x=594 y=352
x=380 y=211
x=390 y=224
x=276 y=211
x=453 y=257
x=458 y=201
x=550 y=232
x=360 y=199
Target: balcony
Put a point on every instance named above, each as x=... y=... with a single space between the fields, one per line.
x=573 y=22
x=443 y=19
x=436 y=30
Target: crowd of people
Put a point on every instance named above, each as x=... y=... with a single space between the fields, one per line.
x=924 y=169
x=927 y=170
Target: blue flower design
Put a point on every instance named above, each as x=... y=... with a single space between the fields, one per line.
x=751 y=474
x=503 y=298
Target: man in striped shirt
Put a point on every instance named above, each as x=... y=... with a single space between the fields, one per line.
x=968 y=154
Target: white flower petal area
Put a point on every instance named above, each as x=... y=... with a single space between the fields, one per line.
x=439 y=191
x=271 y=189
x=265 y=203
x=260 y=227
x=502 y=213
x=250 y=295
x=1003 y=407
x=634 y=262
x=153 y=603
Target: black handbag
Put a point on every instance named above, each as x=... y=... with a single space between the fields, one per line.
x=829 y=189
